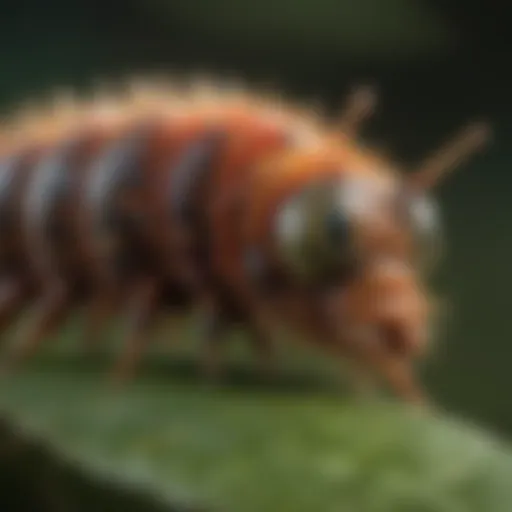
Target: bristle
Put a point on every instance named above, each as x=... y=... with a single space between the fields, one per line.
x=104 y=95
x=144 y=95
x=202 y=87
x=29 y=122
x=64 y=101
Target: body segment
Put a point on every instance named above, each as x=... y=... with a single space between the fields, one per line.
x=247 y=211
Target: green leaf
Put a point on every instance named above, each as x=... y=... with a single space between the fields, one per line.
x=249 y=448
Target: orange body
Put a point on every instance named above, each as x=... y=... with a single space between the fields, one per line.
x=168 y=193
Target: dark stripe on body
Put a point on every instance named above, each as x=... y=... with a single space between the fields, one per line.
x=10 y=179
x=118 y=171
x=49 y=189
x=188 y=195
x=190 y=174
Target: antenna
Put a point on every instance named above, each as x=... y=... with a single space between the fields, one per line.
x=360 y=105
x=461 y=147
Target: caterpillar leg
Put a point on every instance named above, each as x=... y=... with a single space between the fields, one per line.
x=214 y=330
x=216 y=326
x=13 y=297
x=265 y=350
x=396 y=372
x=100 y=309
x=362 y=382
x=142 y=315
x=49 y=314
x=399 y=375
x=165 y=328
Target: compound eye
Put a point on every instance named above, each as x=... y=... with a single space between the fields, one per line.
x=424 y=220
x=291 y=236
x=333 y=234
x=313 y=233
x=337 y=237
x=337 y=227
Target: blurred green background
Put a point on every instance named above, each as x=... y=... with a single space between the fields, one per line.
x=437 y=66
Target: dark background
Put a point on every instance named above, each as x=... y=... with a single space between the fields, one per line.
x=437 y=64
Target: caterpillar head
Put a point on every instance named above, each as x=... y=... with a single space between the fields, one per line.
x=367 y=240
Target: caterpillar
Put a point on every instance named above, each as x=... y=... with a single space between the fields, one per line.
x=249 y=209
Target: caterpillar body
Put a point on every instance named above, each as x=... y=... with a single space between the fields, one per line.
x=250 y=210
